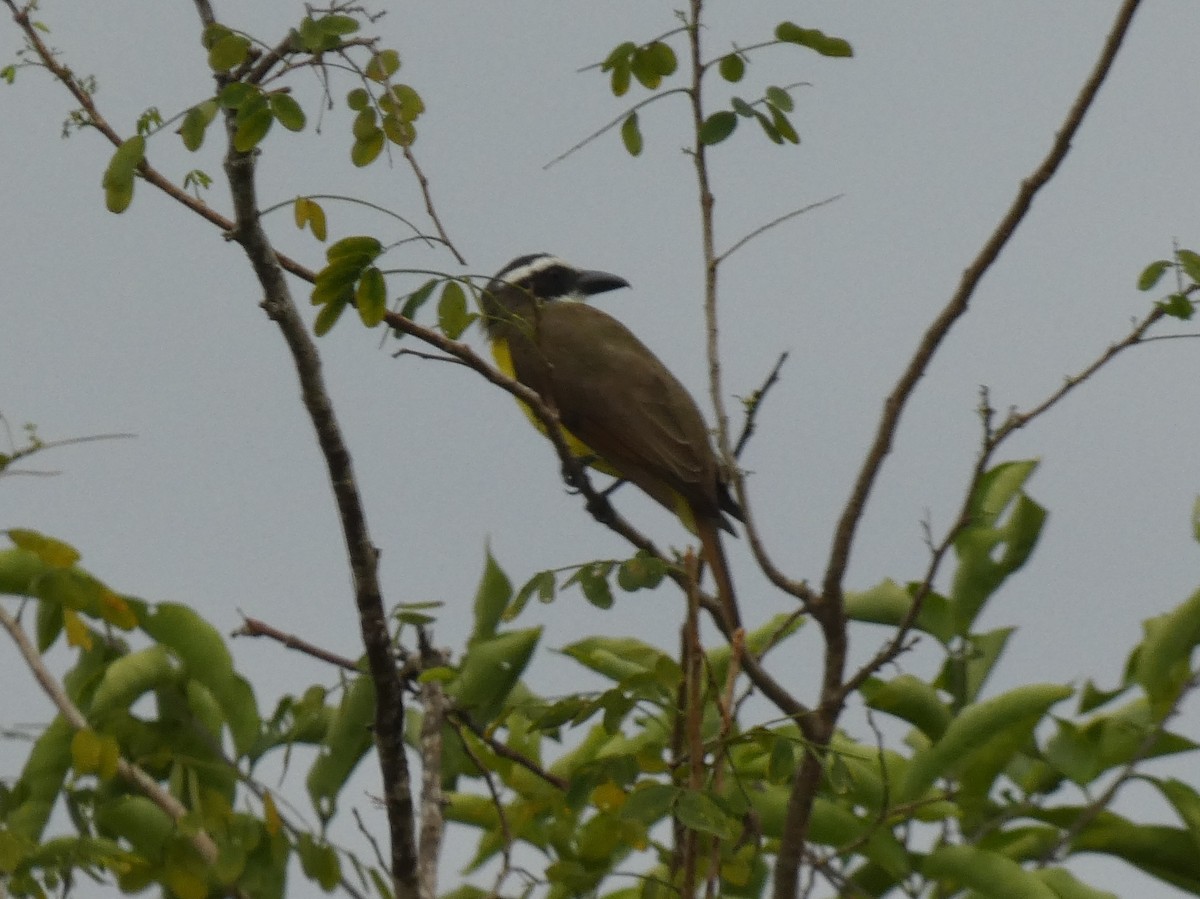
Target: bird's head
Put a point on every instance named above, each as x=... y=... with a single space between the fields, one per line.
x=517 y=288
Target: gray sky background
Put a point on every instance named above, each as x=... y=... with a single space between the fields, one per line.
x=148 y=322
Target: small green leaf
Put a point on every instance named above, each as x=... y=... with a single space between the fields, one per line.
x=287 y=111
x=195 y=124
x=491 y=598
x=784 y=126
x=118 y=177
x=383 y=65
x=698 y=811
x=328 y=316
x=403 y=101
x=371 y=297
x=1191 y=264
x=358 y=245
x=253 y=122
x=358 y=99
x=732 y=67
x=593 y=581
x=643 y=571
x=1179 y=306
x=661 y=58
x=339 y=25
x=780 y=99
x=543 y=583
x=717 y=127
x=417 y=298
x=769 y=128
x=621 y=75
x=491 y=670
x=453 y=317
x=644 y=68
x=1152 y=273
x=631 y=135
x=398 y=131
x=228 y=52
x=309 y=212
x=236 y=94
x=367 y=149
x=791 y=33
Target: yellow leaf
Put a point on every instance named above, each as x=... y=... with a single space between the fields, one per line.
x=608 y=797
x=271 y=819
x=116 y=611
x=77 y=632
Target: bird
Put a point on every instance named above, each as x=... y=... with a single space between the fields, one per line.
x=621 y=409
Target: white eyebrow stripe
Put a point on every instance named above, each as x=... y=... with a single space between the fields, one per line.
x=529 y=269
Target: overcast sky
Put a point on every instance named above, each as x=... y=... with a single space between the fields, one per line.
x=148 y=323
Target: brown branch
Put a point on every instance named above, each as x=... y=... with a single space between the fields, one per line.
x=957 y=307
x=830 y=610
x=255 y=627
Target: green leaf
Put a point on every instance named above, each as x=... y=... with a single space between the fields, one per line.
x=1152 y=273
x=768 y=127
x=254 y=120
x=964 y=673
x=1186 y=802
x=1167 y=853
x=988 y=873
x=784 y=126
x=698 y=811
x=621 y=75
x=989 y=550
x=889 y=603
x=717 y=127
x=364 y=123
x=37 y=790
x=617 y=658
x=339 y=25
x=319 y=861
x=1163 y=663
x=631 y=135
x=309 y=212
x=346 y=742
x=491 y=670
x=1178 y=305
x=973 y=728
x=371 y=297
x=196 y=122
x=642 y=572
x=643 y=68
x=138 y=820
x=358 y=245
x=661 y=58
x=328 y=316
x=366 y=150
x=910 y=699
x=383 y=65
x=1191 y=264
x=791 y=33
x=398 y=131
x=453 y=317
x=130 y=676
x=491 y=598
x=418 y=298
x=358 y=99
x=593 y=581
x=118 y=177
x=732 y=67
x=403 y=101
x=228 y=52
x=780 y=99
x=287 y=111
x=543 y=583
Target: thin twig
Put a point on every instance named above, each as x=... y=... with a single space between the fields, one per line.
x=753 y=404
x=254 y=627
x=611 y=125
x=721 y=257
x=505 y=831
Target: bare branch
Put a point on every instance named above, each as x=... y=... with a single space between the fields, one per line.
x=957 y=306
x=787 y=216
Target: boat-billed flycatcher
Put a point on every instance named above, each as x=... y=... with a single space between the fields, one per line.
x=622 y=410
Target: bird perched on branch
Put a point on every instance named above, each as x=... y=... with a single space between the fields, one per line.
x=621 y=409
